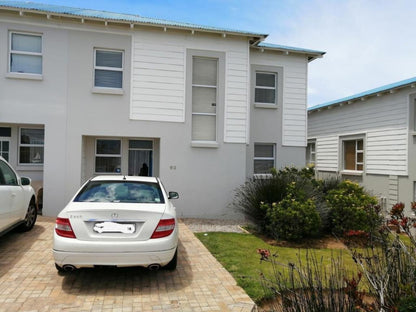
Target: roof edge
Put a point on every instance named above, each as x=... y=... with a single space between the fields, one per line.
x=372 y=92
x=313 y=54
x=123 y=18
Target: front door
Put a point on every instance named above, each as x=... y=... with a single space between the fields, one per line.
x=141 y=158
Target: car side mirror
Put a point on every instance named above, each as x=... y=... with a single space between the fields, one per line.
x=173 y=195
x=25 y=181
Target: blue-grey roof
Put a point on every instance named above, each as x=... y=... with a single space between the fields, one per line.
x=375 y=91
x=288 y=48
x=121 y=17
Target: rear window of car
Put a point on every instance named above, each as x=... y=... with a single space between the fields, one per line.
x=121 y=192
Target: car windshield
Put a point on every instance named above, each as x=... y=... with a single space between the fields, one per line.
x=121 y=192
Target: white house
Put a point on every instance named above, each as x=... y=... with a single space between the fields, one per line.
x=369 y=137
x=85 y=92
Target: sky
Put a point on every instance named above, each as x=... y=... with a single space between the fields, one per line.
x=368 y=43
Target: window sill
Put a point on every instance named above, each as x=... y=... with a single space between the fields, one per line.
x=206 y=144
x=272 y=106
x=262 y=175
x=352 y=173
x=413 y=133
x=24 y=76
x=107 y=91
x=29 y=167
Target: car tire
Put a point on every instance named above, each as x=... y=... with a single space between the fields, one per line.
x=30 y=218
x=59 y=268
x=173 y=263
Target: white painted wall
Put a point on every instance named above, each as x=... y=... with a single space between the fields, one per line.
x=152 y=106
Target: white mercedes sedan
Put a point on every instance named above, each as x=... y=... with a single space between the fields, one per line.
x=117 y=221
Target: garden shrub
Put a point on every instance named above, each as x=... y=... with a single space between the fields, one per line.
x=271 y=189
x=351 y=208
x=294 y=217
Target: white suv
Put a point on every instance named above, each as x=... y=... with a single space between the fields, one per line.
x=17 y=200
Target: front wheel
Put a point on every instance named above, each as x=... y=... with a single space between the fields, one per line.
x=30 y=218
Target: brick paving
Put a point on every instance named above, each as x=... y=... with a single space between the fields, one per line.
x=30 y=282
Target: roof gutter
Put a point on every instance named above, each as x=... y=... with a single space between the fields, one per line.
x=132 y=23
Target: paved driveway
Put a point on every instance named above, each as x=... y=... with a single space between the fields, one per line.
x=30 y=282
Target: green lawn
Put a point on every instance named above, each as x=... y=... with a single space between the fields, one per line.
x=238 y=254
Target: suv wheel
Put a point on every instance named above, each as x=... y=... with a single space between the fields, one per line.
x=30 y=218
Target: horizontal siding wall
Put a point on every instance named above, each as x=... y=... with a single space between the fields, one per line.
x=327 y=153
x=294 y=121
x=386 y=152
x=236 y=96
x=159 y=73
x=383 y=121
x=158 y=81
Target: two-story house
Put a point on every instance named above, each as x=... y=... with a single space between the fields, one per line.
x=85 y=92
x=370 y=138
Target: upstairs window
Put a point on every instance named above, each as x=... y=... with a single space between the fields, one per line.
x=204 y=98
x=353 y=154
x=25 y=53
x=31 y=145
x=108 y=69
x=265 y=89
x=264 y=157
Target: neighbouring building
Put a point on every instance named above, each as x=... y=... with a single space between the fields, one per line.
x=370 y=138
x=86 y=92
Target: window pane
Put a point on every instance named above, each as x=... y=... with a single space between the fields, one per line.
x=263 y=150
x=265 y=80
x=204 y=100
x=107 y=164
x=265 y=96
x=204 y=71
x=7 y=175
x=143 y=144
x=108 y=147
x=5 y=132
x=203 y=128
x=31 y=155
x=349 y=155
x=5 y=155
x=360 y=167
x=360 y=145
x=26 y=43
x=360 y=157
x=31 y=64
x=263 y=166
x=32 y=136
x=108 y=79
x=109 y=59
x=4 y=146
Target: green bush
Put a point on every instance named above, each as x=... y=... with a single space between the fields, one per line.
x=350 y=209
x=294 y=217
x=271 y=189
x=407 y=304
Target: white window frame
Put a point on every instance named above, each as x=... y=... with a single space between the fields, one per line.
x=30 y=145
x=2 y=153
x=40 y=54
x=107 y=155
x=311 y=152
x=110 y=90
x=216 y=99
x=275 y=74
x=264 y=158
x=357 y=151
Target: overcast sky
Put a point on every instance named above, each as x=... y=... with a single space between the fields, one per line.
x=368 y=43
